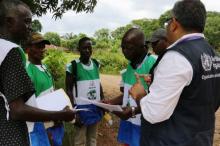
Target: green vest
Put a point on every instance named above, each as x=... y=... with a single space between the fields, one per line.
x=41 y=78
x=128 y=78
x=88 y=82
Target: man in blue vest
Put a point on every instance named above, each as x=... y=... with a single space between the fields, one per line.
x=179 y=109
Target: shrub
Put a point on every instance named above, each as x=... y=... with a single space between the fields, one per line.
x=56 y=61
x=111 y=62
x=53 y=37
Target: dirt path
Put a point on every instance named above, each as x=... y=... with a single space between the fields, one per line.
x=107 y=135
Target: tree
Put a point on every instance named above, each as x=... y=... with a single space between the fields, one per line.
x=70 y=40
x=58 y=7
x=120 y=31
x=146 y=25
x=164 y=17
x=53 y=37
x=212 y=29
x=36 y=26
x=69 y=36
x=102 y=34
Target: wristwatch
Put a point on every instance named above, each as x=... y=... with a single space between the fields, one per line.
x=133 y=112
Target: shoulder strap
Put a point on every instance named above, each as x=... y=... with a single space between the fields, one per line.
x=74 y=72
x=96 y=62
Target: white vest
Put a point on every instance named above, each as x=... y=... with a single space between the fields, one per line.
x=5 y=47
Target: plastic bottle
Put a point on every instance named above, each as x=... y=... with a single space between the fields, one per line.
x=108 y=118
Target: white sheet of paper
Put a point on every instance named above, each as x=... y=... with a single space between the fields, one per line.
x=54 y=101
x=109 y=107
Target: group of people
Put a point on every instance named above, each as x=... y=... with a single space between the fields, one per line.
x=168 y=98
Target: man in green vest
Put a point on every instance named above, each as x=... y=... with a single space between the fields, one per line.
x=43 y=84
x=140 y=61
x=82 y=81
x=15 y=86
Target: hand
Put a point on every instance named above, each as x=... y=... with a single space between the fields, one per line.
x=78 y=122
x=125 y=114
x=58 y=123
x=137 y=91
x=147 y=78
x=68 y=114
x=106 y=101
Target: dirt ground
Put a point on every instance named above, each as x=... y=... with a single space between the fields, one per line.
x=107 y=135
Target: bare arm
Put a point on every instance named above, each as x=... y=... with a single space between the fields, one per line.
x=101 y=92
x=20 y=111
x=69 y=81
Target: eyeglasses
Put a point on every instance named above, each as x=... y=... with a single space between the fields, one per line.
x=167 y=22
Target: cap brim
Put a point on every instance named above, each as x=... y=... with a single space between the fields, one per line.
x=152 y=40
x=41 y=41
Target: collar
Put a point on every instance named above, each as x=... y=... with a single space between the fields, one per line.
x=139 y=64
x=187 y=37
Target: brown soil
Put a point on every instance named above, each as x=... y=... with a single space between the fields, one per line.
x=107 y=135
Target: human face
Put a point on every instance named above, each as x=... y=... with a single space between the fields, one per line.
x=86 y=50
x=132 y=48
x=171 y=29
x=159 y=46
x=20 y=26
x=36 y=52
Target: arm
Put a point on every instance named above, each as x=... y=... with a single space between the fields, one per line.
x=20 y=111
x=69 y=81
x=101 y=92
x=172 y=74
x=114 y=101
x=17 y=88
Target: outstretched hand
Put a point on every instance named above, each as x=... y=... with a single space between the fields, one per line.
x=137 y=91
x=146 y=77
x=125 y=114
x=68 y=114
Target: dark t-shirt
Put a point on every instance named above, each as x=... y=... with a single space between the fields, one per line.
x=14 y=83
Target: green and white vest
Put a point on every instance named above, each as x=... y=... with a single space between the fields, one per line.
x=88 y=82
x=128 y=79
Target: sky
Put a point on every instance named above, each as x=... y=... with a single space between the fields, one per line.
x=111 y=14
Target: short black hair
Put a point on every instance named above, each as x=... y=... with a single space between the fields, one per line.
x=191 y=14
x=82 y=40
x=135 y=31
x=6 y=6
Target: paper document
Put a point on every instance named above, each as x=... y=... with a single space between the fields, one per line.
x=54 y=101
x=109 y=107
x=82 y=109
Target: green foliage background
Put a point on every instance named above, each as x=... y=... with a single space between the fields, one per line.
x=106 y=44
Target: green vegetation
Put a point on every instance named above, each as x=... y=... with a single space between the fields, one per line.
x=53 y=37
x=58 y=7
x=56 y=60
x=106 y=45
